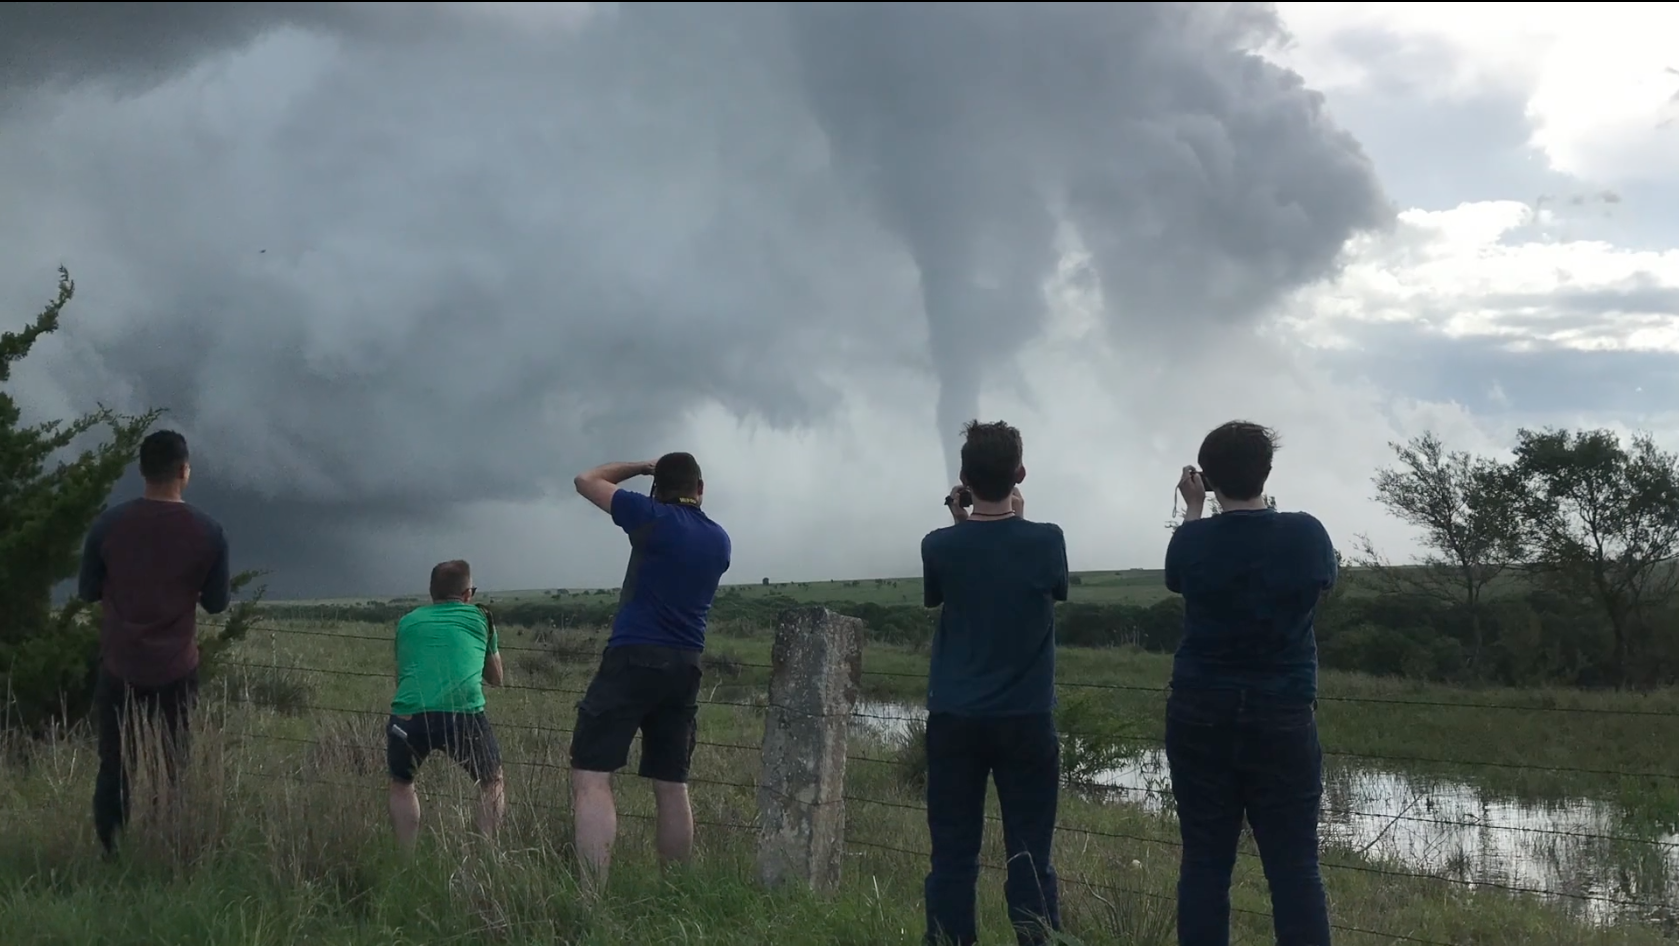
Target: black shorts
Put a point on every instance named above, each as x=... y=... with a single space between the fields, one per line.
x=465 y=737
x=638 y=687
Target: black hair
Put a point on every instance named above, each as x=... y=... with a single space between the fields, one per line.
x=162 y=454
x=676 y=476
x=1236 y=458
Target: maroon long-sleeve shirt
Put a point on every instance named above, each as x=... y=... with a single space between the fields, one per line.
x=150 y=563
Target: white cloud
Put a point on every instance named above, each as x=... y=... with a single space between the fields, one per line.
x=1489 y=270
x=1597 y=77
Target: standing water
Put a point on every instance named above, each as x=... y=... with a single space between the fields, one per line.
x=1575 y=851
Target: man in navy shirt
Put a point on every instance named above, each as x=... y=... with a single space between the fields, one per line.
x=649 y=677
x=150 y=562
x=991 y=692
x=1241 y=727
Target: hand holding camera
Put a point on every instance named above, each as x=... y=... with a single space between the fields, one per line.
x=959 y=500
x=1193 y=486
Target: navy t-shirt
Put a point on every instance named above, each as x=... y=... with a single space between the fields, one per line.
x=997 y=582
x=1250 y=581
x=677 y=557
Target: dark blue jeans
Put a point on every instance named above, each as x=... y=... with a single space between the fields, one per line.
x=1234 y=753
x=1022 y=754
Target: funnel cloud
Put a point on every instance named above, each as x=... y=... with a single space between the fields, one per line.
x=381 y=261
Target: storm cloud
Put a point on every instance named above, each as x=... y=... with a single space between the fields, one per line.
x=380 y=259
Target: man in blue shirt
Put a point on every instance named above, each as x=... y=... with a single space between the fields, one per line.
x=991 y=691
x=1241 y=727
x=649 y=677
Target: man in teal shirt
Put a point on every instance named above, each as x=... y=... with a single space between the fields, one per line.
x=445 y=652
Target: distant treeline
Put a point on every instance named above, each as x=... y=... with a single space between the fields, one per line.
x=1528 y=638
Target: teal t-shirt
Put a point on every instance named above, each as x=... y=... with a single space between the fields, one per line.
x=440 y=652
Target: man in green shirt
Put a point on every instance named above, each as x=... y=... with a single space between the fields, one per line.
x=445 y=652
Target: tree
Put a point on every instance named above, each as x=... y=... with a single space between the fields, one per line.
x=1605 y=523
x=44 y=513
x=50 y=493
x=1468 y=509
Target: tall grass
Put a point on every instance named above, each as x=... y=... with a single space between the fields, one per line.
x=277 y=834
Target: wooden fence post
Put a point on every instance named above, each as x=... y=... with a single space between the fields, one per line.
x=817 y=666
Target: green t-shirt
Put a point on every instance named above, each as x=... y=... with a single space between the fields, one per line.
x=440 y=651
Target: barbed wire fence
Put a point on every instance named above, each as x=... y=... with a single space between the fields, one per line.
x=375 y=714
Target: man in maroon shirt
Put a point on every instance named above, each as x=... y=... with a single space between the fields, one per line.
x=150 y=562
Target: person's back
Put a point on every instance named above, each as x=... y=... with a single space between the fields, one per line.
x=440 y=653
x=991 y=692
x=150 y=563
x=1241 y=725
x=649 y=676
x=446 y=651
x=994 y=650
x=678 y=555
x=1250 y=580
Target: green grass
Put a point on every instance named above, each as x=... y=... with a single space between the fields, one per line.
x=1127 y=586
x=1134 y=586
x=286 y=840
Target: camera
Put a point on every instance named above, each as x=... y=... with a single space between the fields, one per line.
x=964 y=498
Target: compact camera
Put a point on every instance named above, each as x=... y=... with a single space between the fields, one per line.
x=964 y=498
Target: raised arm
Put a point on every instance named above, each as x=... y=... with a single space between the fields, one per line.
x=90 y=583
x=492 y=651
x=598 y=485
x=217 y=591
x=932 y=593
x=1174 y=570
x=1063 y=577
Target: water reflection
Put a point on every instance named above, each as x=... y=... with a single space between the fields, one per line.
x=1575 y=850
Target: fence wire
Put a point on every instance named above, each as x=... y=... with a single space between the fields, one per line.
x=734 y=665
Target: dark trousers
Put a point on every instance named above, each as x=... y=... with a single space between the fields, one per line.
x=1023 y=756
x=118 y=707
x=1237 y=753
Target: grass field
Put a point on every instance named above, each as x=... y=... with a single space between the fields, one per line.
x=1129 y=586
x=285 y=840
x=1135 y=586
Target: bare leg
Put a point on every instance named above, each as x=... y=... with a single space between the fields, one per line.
x=673 y=832
x=492 y=804
x=596 y=823
x=405 y=813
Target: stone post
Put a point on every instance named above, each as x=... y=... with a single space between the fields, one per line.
x=817 y=665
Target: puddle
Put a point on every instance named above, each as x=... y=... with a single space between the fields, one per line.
x=1565 y=849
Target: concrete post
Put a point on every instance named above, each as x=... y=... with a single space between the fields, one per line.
x=817 y=665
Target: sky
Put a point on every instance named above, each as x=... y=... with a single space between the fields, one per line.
x=400 y=271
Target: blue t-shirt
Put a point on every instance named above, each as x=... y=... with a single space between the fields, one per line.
x=677 y=557
x=994 y=650
x=1250 y=581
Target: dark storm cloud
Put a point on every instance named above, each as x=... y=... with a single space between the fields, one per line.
x=380 y=259
x=135 y=45
x=1494 y=377
x=1204 y=180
